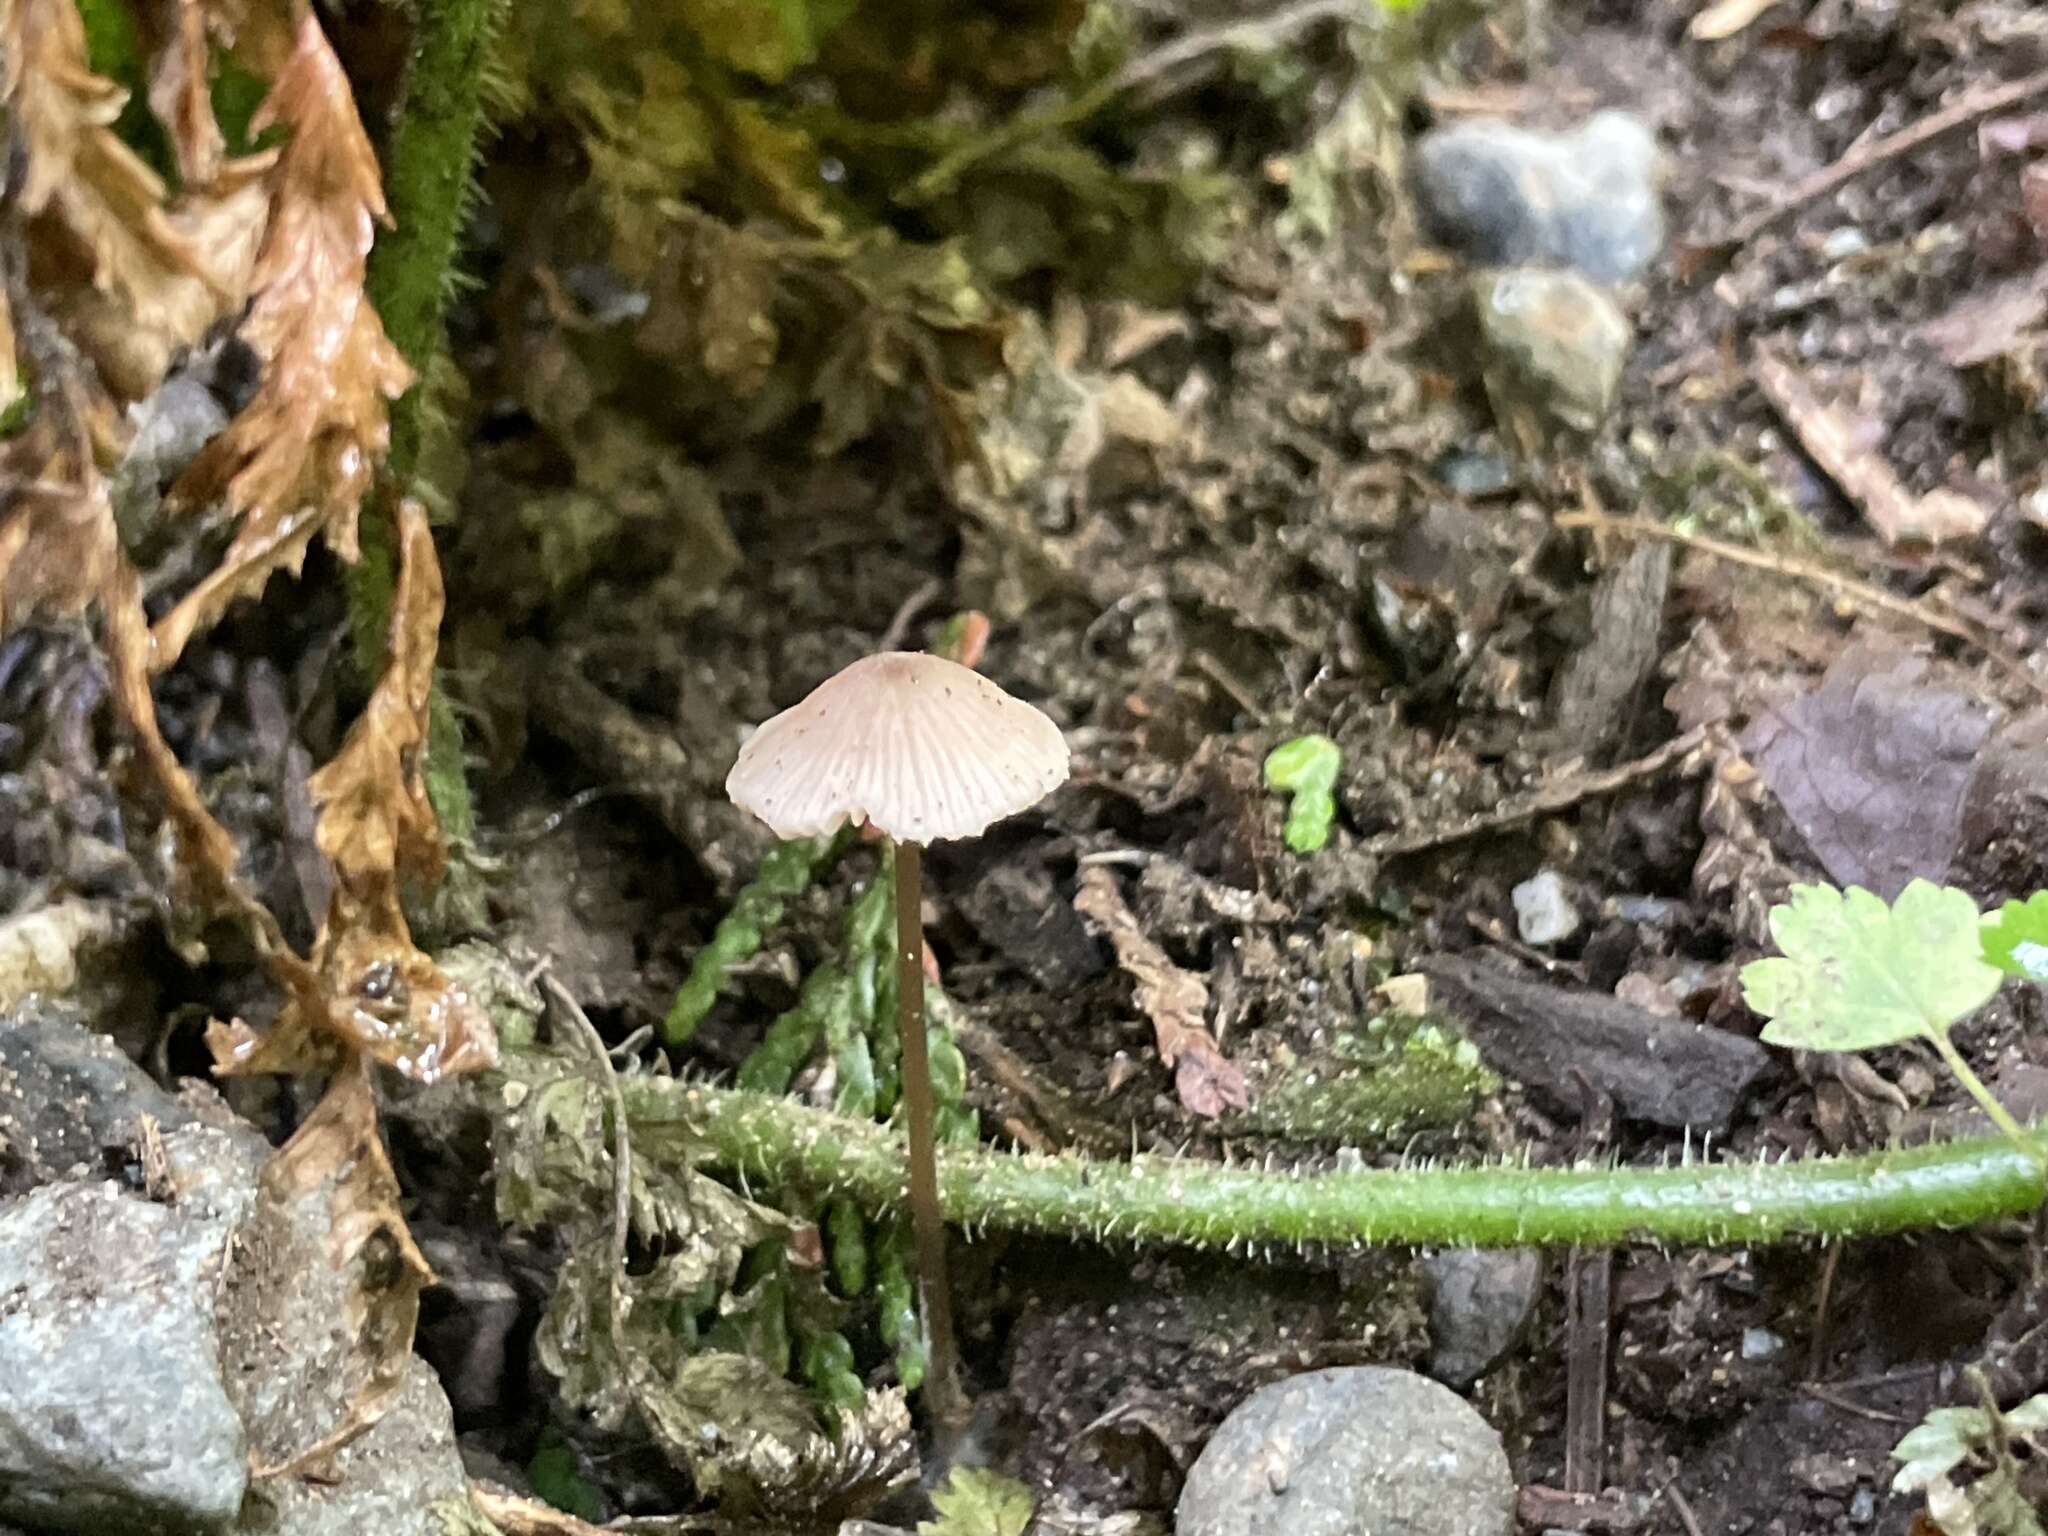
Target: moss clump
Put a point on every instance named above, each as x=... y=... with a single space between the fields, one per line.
x=1375 y=1087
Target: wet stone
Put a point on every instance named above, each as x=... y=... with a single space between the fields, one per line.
x=1355 y=1451
x=1503 y=196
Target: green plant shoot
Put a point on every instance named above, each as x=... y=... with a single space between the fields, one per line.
x=1855 y=974
x=977 y=1502
x=2016 y=941
x=1306 y=768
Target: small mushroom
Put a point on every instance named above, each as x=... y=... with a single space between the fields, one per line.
x=919 y=748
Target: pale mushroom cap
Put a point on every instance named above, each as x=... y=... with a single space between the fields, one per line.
x=922 y=747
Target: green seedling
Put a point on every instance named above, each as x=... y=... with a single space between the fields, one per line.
x=977 y=1502
x=1855 y=974
x=1980 y=1441
x=1306 y=768
x=2016 y=941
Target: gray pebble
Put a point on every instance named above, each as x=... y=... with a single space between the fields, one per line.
x=1553 y=350
x=113 y=1414
x=1480 y=1300
x=1509 y=197
x=1355 y=1451
x=1544 y=913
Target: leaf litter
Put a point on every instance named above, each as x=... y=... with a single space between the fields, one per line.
x=129 y=275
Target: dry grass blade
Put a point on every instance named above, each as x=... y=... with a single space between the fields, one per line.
x=1176 y=1001
x=299 y=458
x=133 y=277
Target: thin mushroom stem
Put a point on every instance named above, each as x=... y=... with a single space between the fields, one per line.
x=928 y=1222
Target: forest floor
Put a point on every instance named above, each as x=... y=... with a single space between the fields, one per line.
x=1280 y=504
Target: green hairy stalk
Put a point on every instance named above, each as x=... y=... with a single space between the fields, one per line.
x=1172 y=1200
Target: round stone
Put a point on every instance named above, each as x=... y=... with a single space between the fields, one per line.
x=1355 y=1451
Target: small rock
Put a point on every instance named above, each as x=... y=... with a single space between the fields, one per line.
x=1475 y=475
x=1553 y=347
x=113 y=1415
x=1354 y=1451
x=170 y=426
x=1544 y=913
x=1504 y=196
x=1480 y=1300
x=1761 y=1344
x=402 y=1477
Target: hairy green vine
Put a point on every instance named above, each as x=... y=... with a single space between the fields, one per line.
x=1172 y=1200
x=430 y=188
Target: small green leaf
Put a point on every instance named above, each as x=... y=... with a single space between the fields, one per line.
x=2016 y=941
x=977 y=1502
x=1856 y=974
x=1306 y=768
x=2030 y=1418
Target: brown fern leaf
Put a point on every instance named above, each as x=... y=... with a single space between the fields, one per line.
x=298 y=459
x=377 y=992
x=178 y=91
x=132 y=276
x=57 y=539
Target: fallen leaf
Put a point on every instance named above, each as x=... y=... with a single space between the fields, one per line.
x=1989 y=324
x=371 y=988
x=179 y=94
x=299 y=458
x=1873 y=767
x=57 y=539
x=1176 y=1001
x=338 y=1151
x=135 y=276
x=12 y=390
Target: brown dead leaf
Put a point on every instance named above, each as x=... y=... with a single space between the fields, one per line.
x=299 y=458
x=338 y=1149
x=133 y=276
x=11 y=387
x=373 y=990
x=57 y=539
x=378 y=827
x=1176 y=1001
x=178 y=90
x=1837 y=441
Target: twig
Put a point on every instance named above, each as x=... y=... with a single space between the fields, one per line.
x=1821 y=1392
x=1680 y=1506
x=1876 y=598
x=1544 y=801
x=1830 y=437
x=1864 y=156
x=607 y=1078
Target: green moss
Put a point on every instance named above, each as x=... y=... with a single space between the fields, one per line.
x=1375 y=1087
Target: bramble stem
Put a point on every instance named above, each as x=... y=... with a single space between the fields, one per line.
x=1986 y=1099
x=428 y=179
x=1177 y=1200
x=927 y=1219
